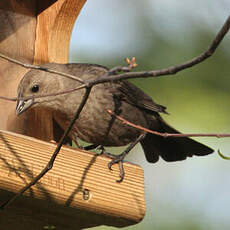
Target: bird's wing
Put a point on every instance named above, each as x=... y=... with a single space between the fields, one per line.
x=125 y=90
x=135 y=96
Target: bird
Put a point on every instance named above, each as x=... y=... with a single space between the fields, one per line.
x=94 y=124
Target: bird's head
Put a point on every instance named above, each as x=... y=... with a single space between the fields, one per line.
x=36 y=83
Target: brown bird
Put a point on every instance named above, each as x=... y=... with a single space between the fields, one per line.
x=95 y=125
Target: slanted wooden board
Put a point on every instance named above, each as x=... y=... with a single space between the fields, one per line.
x=80 y=191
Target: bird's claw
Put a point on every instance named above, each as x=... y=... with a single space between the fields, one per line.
x=114 y=161
x=118 y=160
x=110 y=164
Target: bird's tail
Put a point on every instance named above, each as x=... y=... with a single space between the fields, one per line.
x=171 y=148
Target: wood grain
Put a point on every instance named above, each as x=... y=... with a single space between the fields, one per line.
x=54 y=28
x=75 y=173
x=17 y=38
x=33 y=31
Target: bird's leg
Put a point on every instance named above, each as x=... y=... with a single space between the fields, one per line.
x=119 y=158
x=90 y=147
x=102 y=150
x=98 y=148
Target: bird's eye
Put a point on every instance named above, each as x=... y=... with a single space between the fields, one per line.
x=35 y=88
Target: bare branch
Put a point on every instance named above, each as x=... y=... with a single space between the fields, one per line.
x=8 y=98
x=172 y=69
x=126 y=122
x=30 y=66
x=131 y=65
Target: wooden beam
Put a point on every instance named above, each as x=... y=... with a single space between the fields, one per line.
x=79 y=181
x=53 y=31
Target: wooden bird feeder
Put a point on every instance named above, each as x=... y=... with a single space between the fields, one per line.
x=80 y=191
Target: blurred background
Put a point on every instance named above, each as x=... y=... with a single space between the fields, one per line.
x=192 y=194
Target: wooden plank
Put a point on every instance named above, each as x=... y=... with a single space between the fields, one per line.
x=79 y=180
x=54 y=29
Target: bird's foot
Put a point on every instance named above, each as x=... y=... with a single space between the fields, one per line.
x=118 y=159
x=100 y=150
x=90 y=147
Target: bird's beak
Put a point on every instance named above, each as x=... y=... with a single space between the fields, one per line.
x=23 y=105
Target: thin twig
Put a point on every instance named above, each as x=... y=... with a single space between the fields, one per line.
x=131 y=64
x=57 y=150
x=172 y=69
x=30 y=66
x=45 y=95
x=8 y=98
x=126 y=122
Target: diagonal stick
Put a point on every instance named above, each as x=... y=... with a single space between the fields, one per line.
x=126 y=122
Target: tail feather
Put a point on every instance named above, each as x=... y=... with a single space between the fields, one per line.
x=171 y=148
